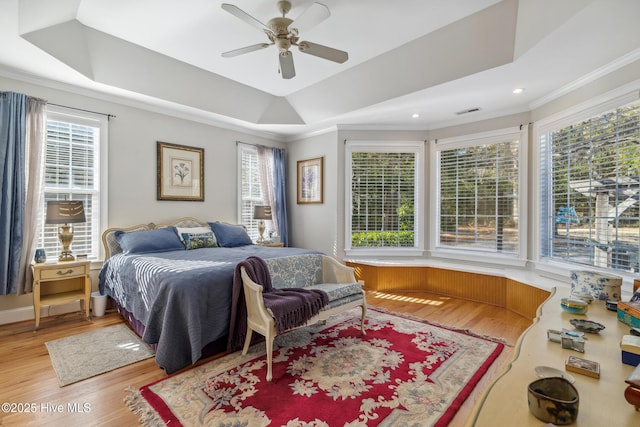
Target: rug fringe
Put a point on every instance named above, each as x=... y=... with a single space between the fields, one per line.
x=139 y=406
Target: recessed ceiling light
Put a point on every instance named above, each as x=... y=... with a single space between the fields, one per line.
x=518 y=90
x=415 y=115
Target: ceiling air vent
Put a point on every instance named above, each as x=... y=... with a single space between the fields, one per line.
x=470 y=110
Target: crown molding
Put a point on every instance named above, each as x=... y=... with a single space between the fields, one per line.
x=614 y=65
x=145 y=103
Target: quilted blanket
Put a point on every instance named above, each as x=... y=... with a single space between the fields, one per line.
x=183 y=298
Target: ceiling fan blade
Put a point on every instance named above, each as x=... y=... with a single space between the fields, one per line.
x=241 y=14
x=325 y=52
x=244 y=50
x=312 y=16
x=286 y=65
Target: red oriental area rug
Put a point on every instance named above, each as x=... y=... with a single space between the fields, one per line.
x=403 y=372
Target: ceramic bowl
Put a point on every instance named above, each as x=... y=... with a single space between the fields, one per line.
x=587 y=325
x=574 y=305
x=549 y=372
x=583 y=296
x=553 y=400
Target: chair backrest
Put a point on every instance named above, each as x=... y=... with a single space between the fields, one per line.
x=254 y=301
x=295 y=271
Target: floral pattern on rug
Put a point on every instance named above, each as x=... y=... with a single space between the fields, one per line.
x=403 y=372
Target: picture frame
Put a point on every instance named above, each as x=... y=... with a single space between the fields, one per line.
x=180 y=172
x=310 y=188
x=582 y=366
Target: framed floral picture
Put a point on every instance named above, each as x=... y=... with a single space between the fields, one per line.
x=310 y=189
x=180 y=172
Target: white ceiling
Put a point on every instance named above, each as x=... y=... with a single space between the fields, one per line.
x=431 y=57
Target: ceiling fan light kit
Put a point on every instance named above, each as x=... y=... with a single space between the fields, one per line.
x=283 y=35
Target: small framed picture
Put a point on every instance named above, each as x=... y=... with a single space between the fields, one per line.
x=583 y=366
x=310 y=181
x=180 y=172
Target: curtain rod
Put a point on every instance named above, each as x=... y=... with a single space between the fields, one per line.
x=109 y=116
x=254 y=145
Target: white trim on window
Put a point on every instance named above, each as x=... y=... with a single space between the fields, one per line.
x=519 y=134
x=99 y=192
x=416 y=147
x=248 y=164
x=249 y=169
x=595 y=107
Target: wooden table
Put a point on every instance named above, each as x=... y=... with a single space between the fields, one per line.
x=602 y=401
x=57 y=283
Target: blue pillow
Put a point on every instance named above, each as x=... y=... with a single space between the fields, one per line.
x=230 y=236
x=142 y=242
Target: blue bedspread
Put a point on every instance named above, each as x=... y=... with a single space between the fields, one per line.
x=182 y=297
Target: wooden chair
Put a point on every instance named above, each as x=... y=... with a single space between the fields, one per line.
x=261 y=321
x=258 y=318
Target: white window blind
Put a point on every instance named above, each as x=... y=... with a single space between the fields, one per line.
x=478 y=196
x=384 y=195
x=590 y=187
x=72 y=172
x=250 y=188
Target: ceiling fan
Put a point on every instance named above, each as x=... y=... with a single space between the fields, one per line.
x=283 y=33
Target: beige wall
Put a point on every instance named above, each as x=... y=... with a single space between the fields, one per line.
x=132 y=163
x=132 y=168
x=314 y=225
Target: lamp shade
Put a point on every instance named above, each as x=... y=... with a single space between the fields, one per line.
x=262 y=212
x=65 y=212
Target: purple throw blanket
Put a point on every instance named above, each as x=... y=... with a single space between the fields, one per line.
x=291 y=307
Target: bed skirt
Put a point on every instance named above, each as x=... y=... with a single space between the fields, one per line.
x=213 y=348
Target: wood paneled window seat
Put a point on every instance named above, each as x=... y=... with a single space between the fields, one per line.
x=521 y=292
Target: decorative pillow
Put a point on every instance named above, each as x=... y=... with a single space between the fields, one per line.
x=230 y=236
x=195 y=231
x=199 y=240
x=146 y=241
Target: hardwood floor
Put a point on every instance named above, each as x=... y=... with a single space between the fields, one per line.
x=27 y=377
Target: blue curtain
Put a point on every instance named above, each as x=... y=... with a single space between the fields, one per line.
x=13 y=115
x=279 y=171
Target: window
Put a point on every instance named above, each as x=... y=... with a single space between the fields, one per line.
x=250 y=189
x=478 y=193
x=384 y=195
x=590 y=187
x=72 y=172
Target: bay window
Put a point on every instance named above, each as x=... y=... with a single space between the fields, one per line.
x=478 y=193
x=590 y=187
x=384 y=196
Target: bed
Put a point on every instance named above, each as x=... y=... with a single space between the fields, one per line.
x=173 y=283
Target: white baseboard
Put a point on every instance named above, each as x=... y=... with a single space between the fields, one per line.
x=22 y=314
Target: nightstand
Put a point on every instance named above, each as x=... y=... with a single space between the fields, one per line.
x=56 y=283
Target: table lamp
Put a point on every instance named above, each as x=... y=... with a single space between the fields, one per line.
x=65 y=212
x=261 y=213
